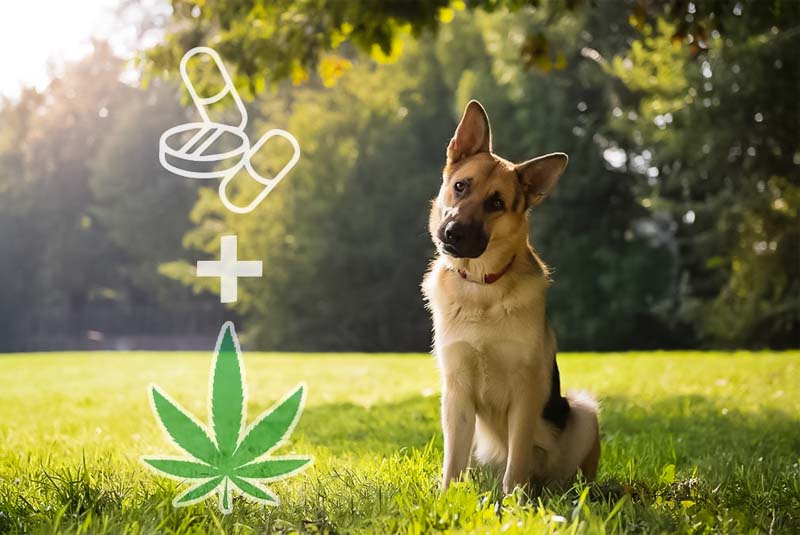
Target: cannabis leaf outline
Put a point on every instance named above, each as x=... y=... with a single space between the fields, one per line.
x=233 y=457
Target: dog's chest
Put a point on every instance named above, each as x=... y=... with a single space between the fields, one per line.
x=492 y=348
x=493 y=342
x=498 y=367
x=503 y=325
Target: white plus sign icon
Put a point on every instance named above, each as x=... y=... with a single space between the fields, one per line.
x=228 y=268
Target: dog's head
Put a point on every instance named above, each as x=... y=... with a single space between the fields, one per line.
x=483 y=204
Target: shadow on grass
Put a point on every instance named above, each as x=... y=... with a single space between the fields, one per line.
x=678 y=430
x=698 y=430
x=704 y=461
x=349 y=429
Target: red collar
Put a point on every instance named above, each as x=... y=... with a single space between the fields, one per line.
x=491 y=277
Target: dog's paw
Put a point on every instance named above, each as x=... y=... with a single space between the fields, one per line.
x=512 y=481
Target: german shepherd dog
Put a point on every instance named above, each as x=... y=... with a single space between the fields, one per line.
x=501 y=389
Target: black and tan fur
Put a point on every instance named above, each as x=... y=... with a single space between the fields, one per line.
x=501 y=399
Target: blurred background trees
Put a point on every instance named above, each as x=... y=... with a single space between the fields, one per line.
x=675 y=224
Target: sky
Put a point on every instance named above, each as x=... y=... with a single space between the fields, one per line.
x=36 y=37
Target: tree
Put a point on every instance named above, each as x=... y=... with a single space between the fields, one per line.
x=144 y=213
x=55 y=233
x=714 y=131
x=86 y=212
x=19 y=296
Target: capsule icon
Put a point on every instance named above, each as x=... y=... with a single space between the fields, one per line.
x=208 y=149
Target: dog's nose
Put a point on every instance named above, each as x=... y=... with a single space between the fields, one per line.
x=454 y=232
x=463 y=240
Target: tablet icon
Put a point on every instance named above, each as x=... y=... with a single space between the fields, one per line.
x=212 y=150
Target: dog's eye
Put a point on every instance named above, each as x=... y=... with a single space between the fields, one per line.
x=495 y=203
x=460 y=186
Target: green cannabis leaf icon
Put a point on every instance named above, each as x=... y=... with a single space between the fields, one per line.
x=232 y=459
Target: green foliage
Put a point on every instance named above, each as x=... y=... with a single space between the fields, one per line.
x=345 y=236
x=48 y=226
x=714 y=130
x=675 y=224
x=286 y=39
x=86 y=212
x=589 y=230
x=343 y=247
x=142 y=208
x=377 y=450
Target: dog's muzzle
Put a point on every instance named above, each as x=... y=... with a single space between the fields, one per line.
x=463 y=240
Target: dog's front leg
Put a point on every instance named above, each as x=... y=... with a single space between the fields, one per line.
x=458 y=425
x=522 y=421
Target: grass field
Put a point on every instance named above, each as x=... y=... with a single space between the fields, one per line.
x=692 y=442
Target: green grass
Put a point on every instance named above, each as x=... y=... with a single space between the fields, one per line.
x=692 y=442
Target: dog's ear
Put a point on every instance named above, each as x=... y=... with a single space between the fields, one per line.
x=540 y=175
x=473 y=134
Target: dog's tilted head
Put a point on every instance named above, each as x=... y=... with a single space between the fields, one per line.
x=483 y=203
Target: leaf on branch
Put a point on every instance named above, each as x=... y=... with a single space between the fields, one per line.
x=331 y=68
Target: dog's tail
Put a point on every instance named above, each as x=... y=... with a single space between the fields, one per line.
x=579 y=442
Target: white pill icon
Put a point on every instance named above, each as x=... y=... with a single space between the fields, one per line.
x=210 y=150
